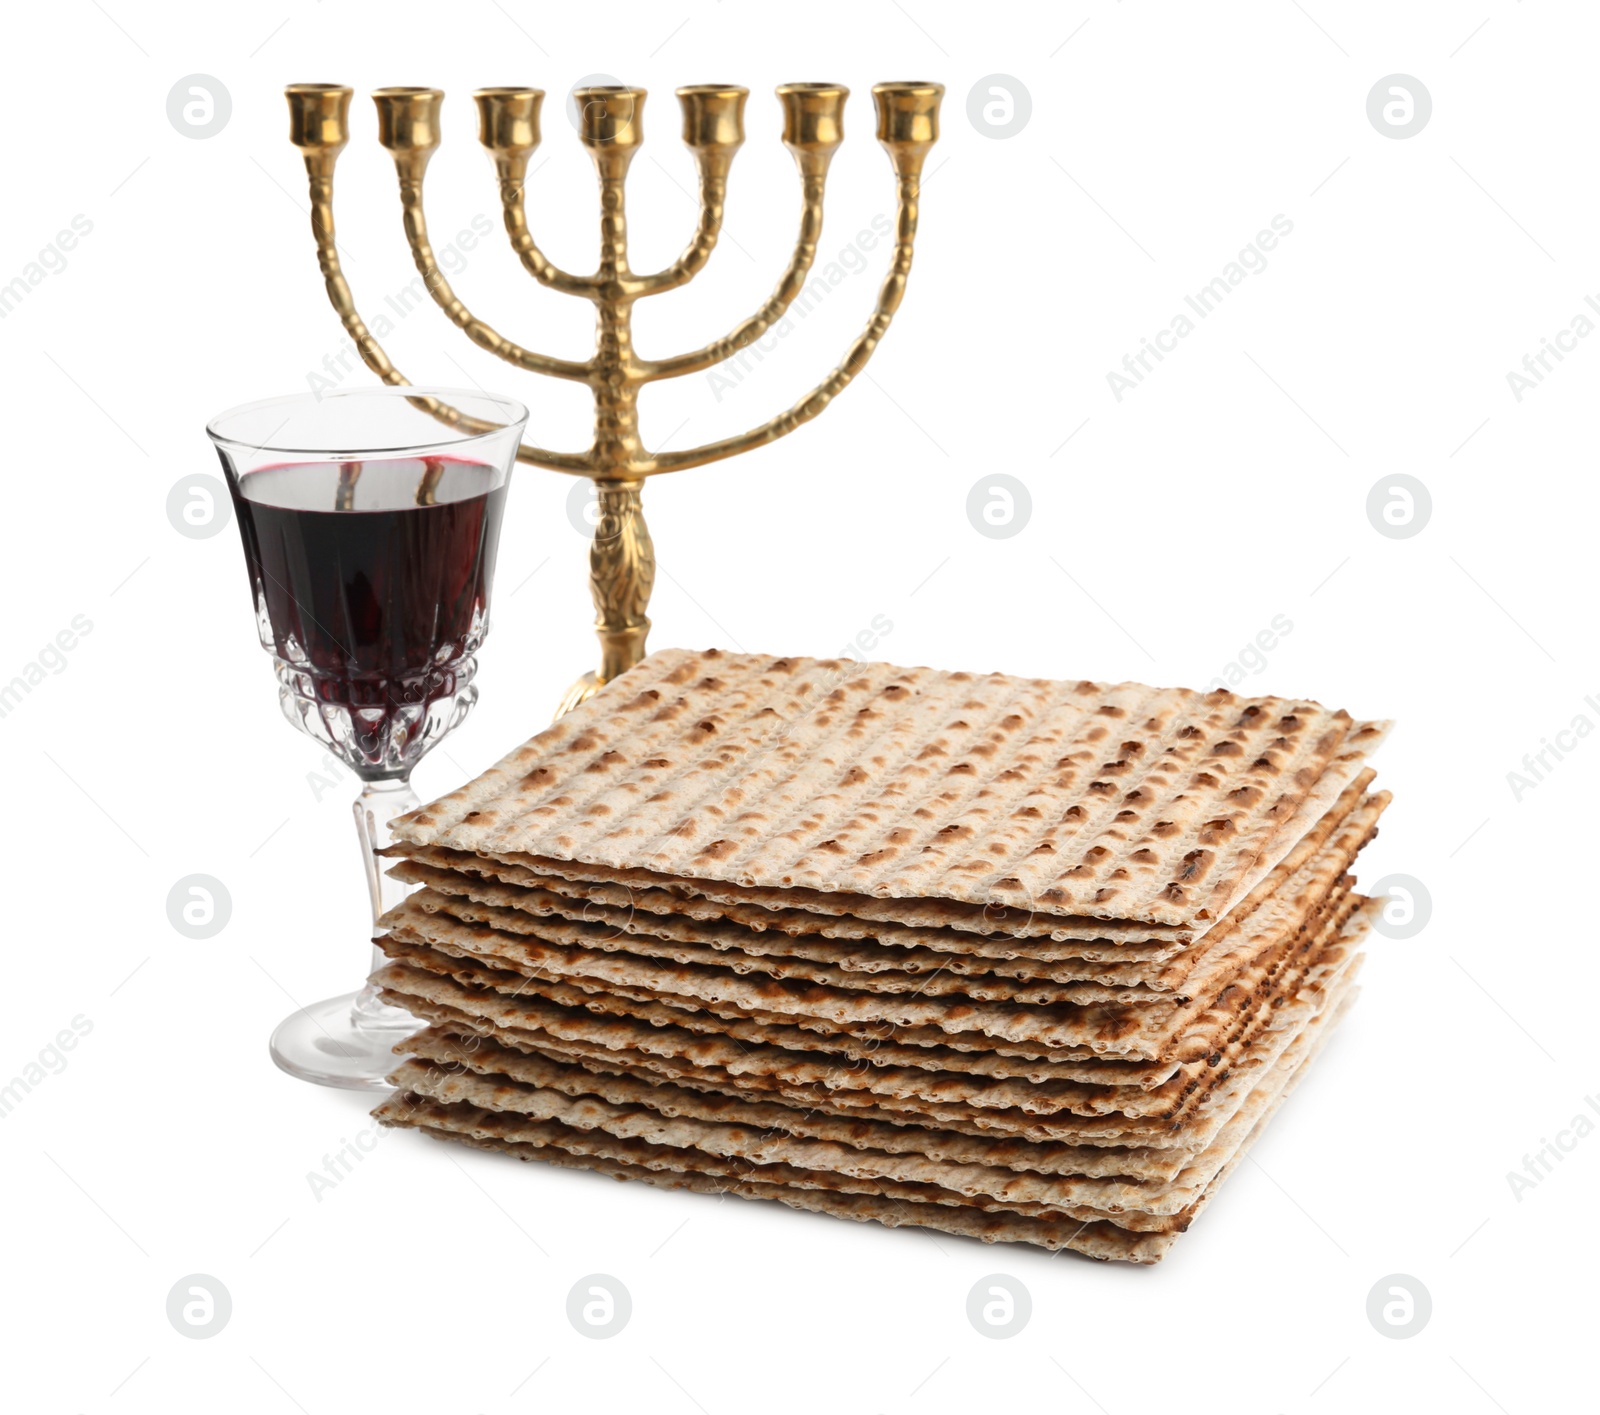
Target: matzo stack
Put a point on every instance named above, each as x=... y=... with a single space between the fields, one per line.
x=1009 y=958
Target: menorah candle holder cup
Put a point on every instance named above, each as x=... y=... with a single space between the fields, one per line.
x=621 y=556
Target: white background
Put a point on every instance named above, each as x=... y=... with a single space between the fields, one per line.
x=1228 y=488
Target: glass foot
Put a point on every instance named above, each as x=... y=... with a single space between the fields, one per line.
x=346 y=1041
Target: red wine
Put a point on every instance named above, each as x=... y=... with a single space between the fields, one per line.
x=371 y=581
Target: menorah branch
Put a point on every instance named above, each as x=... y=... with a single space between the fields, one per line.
x=513 y=203
x=408 y=128
x=789 y=285
x=481 y=333
x=713 y=130
x=319 y=168
x=508 y=128
x=866 y=343
x=713 y=196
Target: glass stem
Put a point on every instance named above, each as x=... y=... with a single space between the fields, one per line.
x=378 y=804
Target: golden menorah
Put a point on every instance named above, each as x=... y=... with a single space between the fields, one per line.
x=621 y=557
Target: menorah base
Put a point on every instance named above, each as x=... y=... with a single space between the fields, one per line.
x=580 y=692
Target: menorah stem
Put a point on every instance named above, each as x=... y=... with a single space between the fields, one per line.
x=617 y=448
x=613 y=225
x=613 y=375
x=622 y=573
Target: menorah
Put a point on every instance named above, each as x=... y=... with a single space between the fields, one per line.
x=621 y=557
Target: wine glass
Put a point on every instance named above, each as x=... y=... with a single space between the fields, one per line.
x=370 y=519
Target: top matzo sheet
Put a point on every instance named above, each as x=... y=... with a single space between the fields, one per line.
x=1113 y=801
